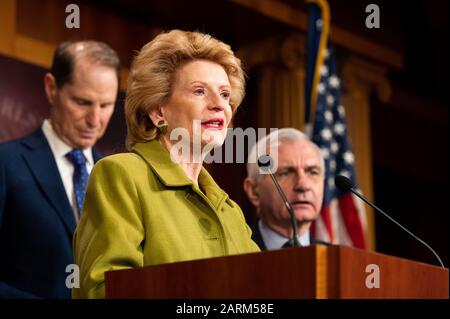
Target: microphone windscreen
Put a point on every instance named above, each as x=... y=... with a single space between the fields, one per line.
x=265 y=162
x=343 y=183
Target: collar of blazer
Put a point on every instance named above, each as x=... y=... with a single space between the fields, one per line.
x=171 y=174
x=42 y=165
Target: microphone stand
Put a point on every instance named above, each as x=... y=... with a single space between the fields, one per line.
x=295 y=241
x=344 y=184
x=264 y=162
x=398 y=224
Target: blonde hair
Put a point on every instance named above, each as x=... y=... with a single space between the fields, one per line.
x=152 y=76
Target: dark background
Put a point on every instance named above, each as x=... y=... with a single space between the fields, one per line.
x=409 y=133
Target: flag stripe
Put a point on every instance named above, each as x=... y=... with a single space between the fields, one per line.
x=326 y=219
x=351 y=219
x=341 y=220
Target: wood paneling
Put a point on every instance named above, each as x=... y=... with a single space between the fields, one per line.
x=298 y=19
x=361 y=79
x=45 y=21
x=7 y=26
x=307 y=272
x=30 y=31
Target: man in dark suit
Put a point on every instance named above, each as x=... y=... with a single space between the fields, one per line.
x=43 y=175
x=299 y=168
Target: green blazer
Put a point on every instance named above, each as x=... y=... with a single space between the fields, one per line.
x=141 y=209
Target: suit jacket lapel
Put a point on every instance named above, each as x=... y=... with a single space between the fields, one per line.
x=96 y=155
x=257 y=237
x=41 y=162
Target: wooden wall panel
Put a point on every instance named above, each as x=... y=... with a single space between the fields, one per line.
x=45 y=21
x=30 y=30
x=7 y=26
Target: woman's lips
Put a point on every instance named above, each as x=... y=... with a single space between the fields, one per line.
x=213 y=124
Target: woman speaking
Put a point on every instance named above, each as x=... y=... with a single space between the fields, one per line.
x=157 y=204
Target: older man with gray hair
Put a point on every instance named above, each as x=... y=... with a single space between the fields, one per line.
x=300 y=171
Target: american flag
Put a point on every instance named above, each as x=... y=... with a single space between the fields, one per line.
x=342 y=219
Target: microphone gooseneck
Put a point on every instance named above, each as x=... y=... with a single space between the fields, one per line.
x=345 y=185
x=265 y=163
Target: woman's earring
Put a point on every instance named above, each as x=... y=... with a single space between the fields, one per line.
x=162 y=126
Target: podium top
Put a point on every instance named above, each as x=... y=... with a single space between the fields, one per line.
x=306 y=272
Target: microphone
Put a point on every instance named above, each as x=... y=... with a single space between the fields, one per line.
x=265 y=163
x=345 y=185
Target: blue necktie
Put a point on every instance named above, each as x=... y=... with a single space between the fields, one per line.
x=80 y=176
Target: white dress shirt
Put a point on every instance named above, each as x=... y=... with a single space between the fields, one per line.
x=65 y=167
x=273 y=240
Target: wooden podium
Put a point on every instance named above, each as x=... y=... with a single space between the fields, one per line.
x=309 y=272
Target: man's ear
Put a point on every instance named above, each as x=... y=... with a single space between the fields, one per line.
x=156 y=115
x=50 y=87
x=250 y=187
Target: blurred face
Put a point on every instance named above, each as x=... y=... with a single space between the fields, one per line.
x=81 y=110
x=301 y=177
x=201 y=91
